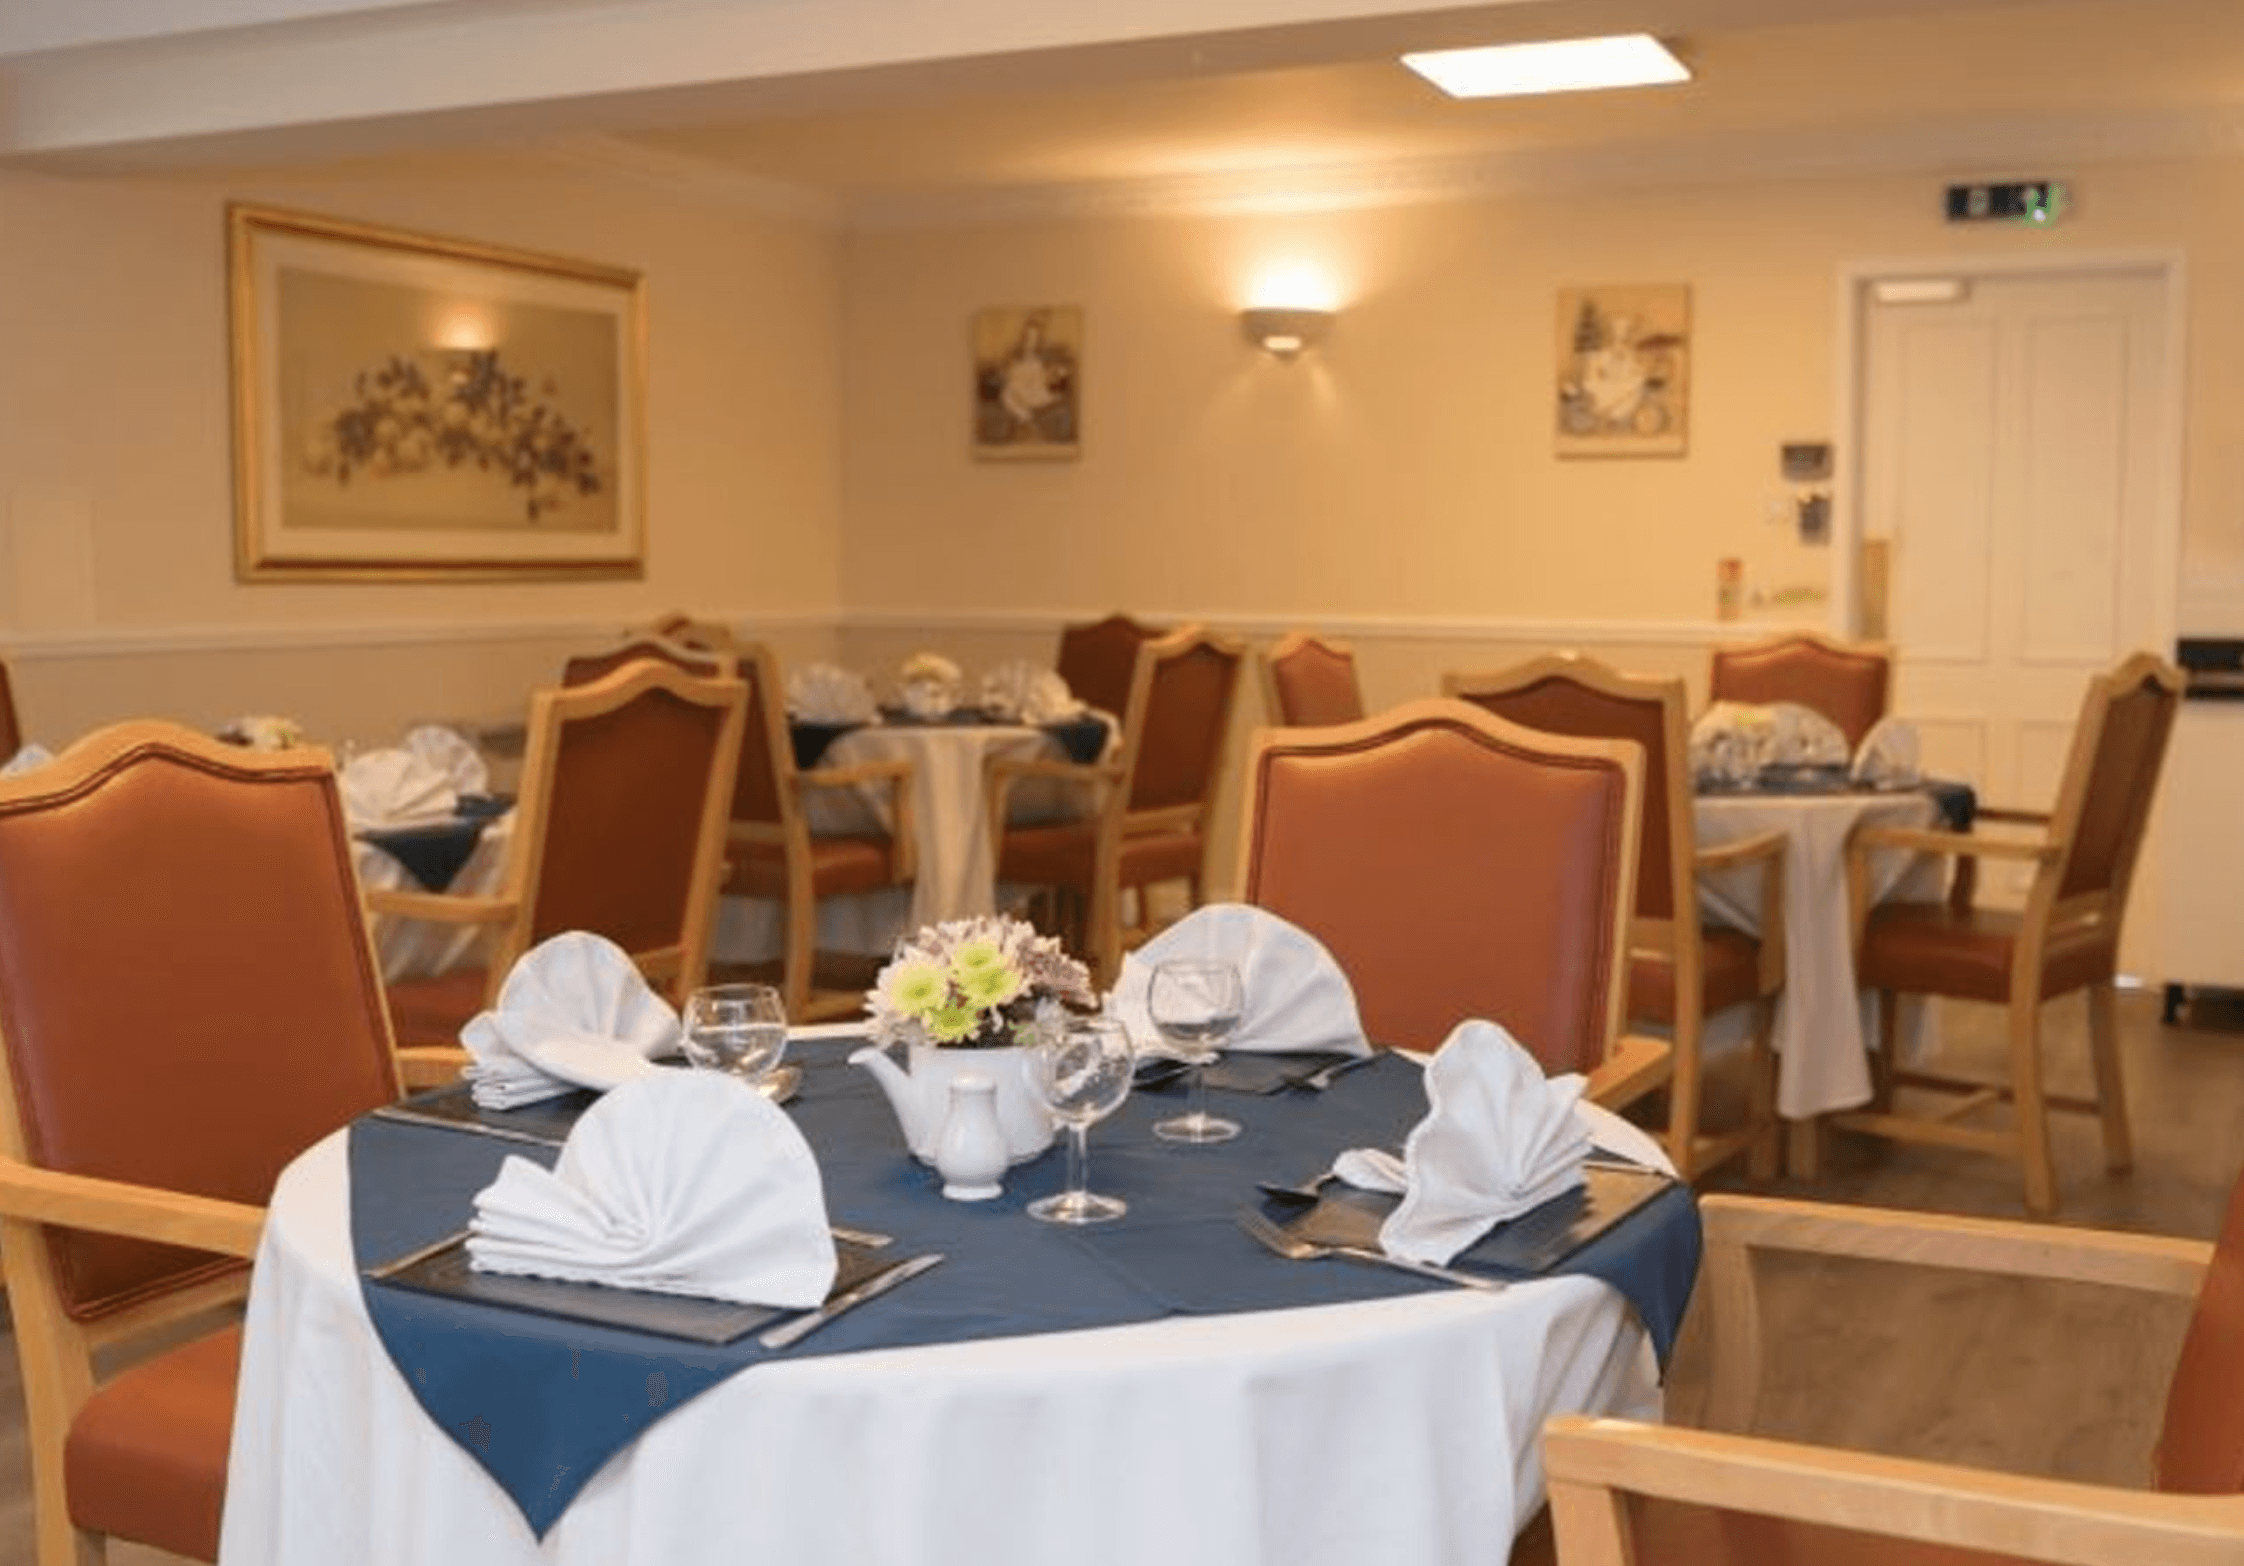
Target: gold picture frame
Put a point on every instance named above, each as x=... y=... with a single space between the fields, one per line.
x=1028 y=383
x=415 y=408
x=1624 y=371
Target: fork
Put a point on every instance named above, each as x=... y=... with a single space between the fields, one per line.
x=1324 y=1076
x=1294 y=1248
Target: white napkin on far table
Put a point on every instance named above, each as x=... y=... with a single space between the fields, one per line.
x=24 y=760
x=452 y=754
x=573 y=1013
x=1888 y=755
x=1026 y=692
x=1297 y=999
x=683 y=1182
x=1499 y=1138
x=395 y=788
x=829 y=693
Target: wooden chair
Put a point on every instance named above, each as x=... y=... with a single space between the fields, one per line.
x=187 y=1001
x=681 y=627
x=1459 y=866
x=1308 y=681
x=11 y=732
x=707 y=663
x=1149 y=798
x=1848 y=682
x=1680 y=971
x=1623 y=1492
x=2065 y=939
x=1099 y=659
x=619 y=829
x=772 y=851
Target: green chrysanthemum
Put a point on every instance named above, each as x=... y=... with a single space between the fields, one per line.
x=918 y=989
x=983 y=988
x=976 y=957
x=952 y=1024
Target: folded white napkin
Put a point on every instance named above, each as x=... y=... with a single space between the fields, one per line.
x=395 y=788
x=1499 y=1138
x=24 y=760
x=829 y=693
x=452 y=754
x=573 y=1013
x=1297 y=999
x=1888 y=755
x=684 y=1182
x=1028 y=692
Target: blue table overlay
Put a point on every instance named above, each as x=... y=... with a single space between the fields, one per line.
x=542 y=1403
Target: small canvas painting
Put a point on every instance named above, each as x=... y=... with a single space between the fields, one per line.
x=1624 y=370
x=1028 y=366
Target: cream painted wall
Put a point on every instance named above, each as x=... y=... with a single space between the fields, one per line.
x=117 y=593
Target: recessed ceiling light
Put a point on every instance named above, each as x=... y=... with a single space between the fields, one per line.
x=1563 y=65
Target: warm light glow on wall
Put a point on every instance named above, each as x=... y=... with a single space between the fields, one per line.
x=1293 y=285
x=466 y=329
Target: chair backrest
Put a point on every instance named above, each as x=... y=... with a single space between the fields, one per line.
x=11 y=732
x=761 y=791
x=1098 y=660
x=626 y=787
x=2111 y=777
x=1848 y=682
x=1310 y=681
x=706 y=662
x=682 y=628
x=1457 y=866
x=1176 y=720
x=1590 y=700
x=187 y=998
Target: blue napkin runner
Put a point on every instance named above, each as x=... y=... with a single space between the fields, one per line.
x=432 y=855
x=1081 y=740
x=543 y=1403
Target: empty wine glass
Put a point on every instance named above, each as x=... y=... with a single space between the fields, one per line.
x=739 y=1029
x=1195 y=1005
x=1082 y=1073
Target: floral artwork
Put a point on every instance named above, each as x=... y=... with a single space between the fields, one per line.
x=975 y=983
x=1028 y=367
x=413 y=407
x=1623 y=370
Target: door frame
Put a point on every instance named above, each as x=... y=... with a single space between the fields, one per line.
x=1856 y=278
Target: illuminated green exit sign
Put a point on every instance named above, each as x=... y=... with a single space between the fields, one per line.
x=2036 y=202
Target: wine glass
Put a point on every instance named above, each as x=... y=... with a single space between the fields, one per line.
x=739 y=1029
x=1082 y=1073
x=1195 y=1005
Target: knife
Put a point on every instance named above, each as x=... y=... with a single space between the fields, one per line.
x=414 y=1117
x=788 y=1334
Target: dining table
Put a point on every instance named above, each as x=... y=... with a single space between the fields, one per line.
x=1158 y=1388
x=465 y=855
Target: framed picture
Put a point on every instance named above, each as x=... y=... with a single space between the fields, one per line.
x=1028 y=372
x=1624 y=370
x=409 y=408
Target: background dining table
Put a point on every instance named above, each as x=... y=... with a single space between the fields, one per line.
x=1400 y=1428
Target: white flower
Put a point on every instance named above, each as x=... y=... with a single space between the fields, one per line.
x=933 y=668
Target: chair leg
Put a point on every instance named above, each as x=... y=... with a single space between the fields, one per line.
x=1886 y=1059
x=2111 y=1087
x=802 y=951
x=2033 y=1110
x=1103 y=939
x=1764 y=1153
x=1684 y=1085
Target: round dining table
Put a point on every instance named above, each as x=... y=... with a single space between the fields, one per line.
x=1400 y=1428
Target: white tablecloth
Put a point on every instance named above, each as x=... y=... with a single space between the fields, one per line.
x=1823 y=1023
x=418 y=948
x=1397 y=1430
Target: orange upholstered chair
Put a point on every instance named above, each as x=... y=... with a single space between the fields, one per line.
x=2066 y=938
x=1099 y=659
x=1624 y=1492
x=187 y=1001
x=708 y=663
x=1149 y=799
x=1309 y=681
x=1848 y=682
x=1458 y=866
x=619 y=830
x=11 y=732
x=772 y=850
x=1679 y=971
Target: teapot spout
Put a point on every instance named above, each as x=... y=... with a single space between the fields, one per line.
x=918 y=1120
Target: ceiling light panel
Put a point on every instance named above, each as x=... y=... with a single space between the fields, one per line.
x=1562 y=65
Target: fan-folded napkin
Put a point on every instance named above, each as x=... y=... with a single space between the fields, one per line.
x=1499 y=1138
x=1732 y=741
x=1888 y=757
x=1296 y=998
x=683 y=1182
x=453 y=756
x=573 y=1013
x=829 y=693
x=395 y=788
x=1026 y=692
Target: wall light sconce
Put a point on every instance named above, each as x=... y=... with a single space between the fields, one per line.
x=1284 y=333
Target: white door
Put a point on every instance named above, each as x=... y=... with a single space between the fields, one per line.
x=2013 y=437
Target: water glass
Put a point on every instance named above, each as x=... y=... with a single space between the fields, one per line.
x=1082 y=1074
x=1195 y=1005
x=739 y=1029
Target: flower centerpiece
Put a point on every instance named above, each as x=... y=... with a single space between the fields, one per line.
x=930 y=684
x=263 y=731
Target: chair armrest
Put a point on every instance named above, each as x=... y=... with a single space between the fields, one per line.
x=850 y=777
x=440 y=907
x=1637 y=1065
x=1762 y=845
x=2005 y=813
x=430 y=1065
x=138 y=1212
x=1927 y=840
x=896 y=776
x=1590 y=1462
x=1087 y=773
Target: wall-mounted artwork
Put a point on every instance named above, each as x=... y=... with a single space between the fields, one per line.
x=415 y=408
x=1624 y=370
x=1028 y=374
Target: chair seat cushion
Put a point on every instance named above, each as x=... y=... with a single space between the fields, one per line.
x=838 y=866
x=1675 y=1533
x=434 y=1009
x=1061 y=855
x=1730 y=974
x=1933 y=949
x=146 y=1458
